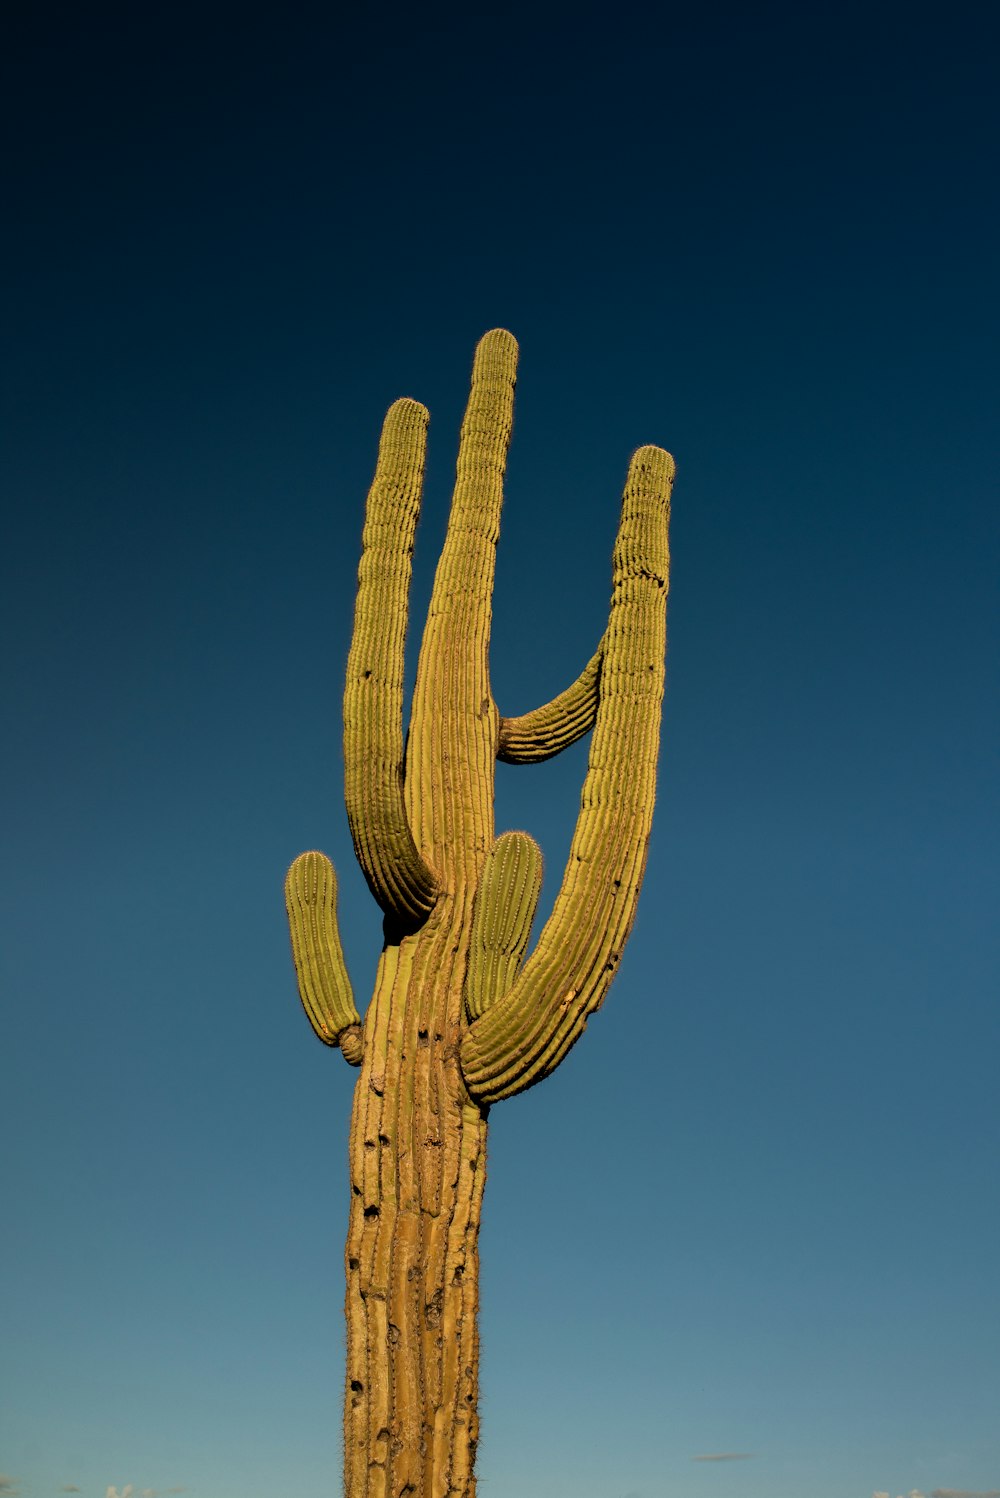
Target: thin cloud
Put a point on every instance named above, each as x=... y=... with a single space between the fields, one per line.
x=944 y=1493
x=915 y=1493
x=724 y=1456
x=70 y=1487
x=8 y=1485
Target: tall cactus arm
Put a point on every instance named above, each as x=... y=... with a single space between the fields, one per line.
x=504 y=909
x=398 y=877
x=539 y=735
x=453 y=722
x=524 y=1036
x=324 y=987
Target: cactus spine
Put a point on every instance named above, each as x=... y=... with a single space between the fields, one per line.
x=458 y=1019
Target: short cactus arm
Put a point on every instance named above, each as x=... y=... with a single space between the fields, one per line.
x=373 y=695
x=524 y=1036
x=324 y=987
x=539 y=735
x=502 y=913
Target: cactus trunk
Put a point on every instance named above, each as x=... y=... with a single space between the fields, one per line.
x=417 y=1160
x=459 y=1020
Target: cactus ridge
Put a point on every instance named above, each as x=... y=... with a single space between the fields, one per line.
x=459 y=1019
x=324 y=987
x=502 y=915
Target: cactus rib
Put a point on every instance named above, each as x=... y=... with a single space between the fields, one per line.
x=397 y=875
x=538 y=735
x=324 y=987
x=523 y=1038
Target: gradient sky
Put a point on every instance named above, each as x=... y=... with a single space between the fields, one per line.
x=756 y=1211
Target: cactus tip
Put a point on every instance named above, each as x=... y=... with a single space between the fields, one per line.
x=408 y=410
x=497 y=344
x=656 y=461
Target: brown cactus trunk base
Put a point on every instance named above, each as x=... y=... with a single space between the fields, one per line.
x=417 y=1161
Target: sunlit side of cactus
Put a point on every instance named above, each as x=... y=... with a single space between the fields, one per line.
x=459 y=1019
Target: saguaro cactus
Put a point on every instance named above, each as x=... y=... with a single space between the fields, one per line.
x=458 y=1019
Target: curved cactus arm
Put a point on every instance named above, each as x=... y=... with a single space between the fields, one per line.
x=451 y=755
x=504 y=909
x=548 y=730
x=524 y=1036
x=398 y=877
x=324 y=987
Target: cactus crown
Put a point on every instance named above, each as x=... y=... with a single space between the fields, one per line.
x=421 y=810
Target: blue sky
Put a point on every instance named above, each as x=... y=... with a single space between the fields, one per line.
x=754 y=1216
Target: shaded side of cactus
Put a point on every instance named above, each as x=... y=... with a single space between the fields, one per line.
x=459 y=1019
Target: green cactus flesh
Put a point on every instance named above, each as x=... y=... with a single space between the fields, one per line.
x=459 y=1019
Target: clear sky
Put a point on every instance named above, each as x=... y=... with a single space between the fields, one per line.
x=755 y=1214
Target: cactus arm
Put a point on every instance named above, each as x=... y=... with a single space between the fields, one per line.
x=398 y=877
x=324 y=987
x=538 y=735
x=452 y=744
x=524 y=1036
x=502 y=914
